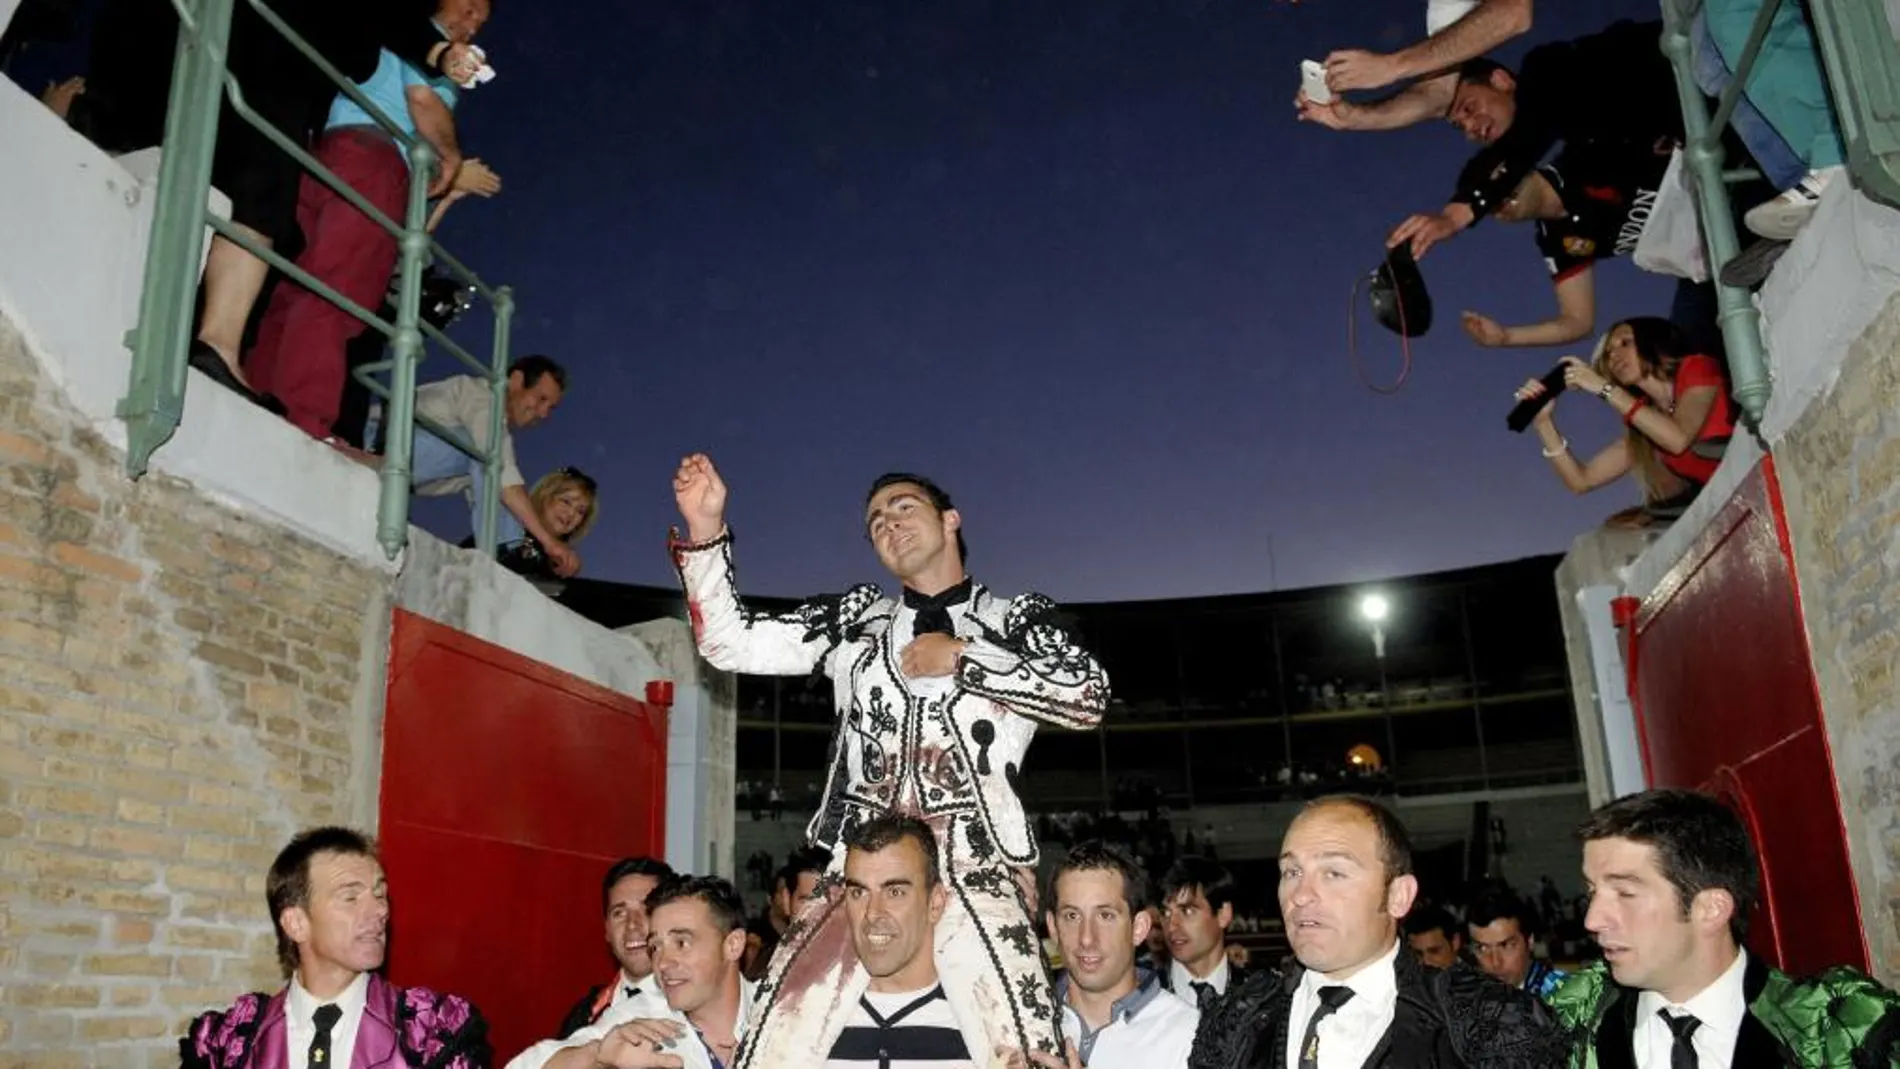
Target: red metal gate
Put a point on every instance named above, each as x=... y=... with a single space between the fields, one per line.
x=1725 y=700
x=508 y=788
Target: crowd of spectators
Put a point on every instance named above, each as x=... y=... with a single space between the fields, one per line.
x=1583 y=140
x=265 y=336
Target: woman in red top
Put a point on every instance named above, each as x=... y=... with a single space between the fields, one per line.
x=1675 y=404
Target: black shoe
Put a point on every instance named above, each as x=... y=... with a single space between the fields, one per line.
x=206 y=359
x=1750 y=267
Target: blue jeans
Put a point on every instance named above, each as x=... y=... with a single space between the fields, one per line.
x=434 y=459
x=1781 y=166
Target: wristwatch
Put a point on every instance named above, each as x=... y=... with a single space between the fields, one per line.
x=1605 y=391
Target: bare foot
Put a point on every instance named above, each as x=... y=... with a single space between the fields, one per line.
x=368 y=460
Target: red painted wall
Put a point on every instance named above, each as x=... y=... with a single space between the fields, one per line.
x=1725 y=701
x=508 y=789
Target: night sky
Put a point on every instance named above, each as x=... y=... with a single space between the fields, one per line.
x=1077 y=261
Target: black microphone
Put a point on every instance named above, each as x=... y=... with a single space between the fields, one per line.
x=1528 y=408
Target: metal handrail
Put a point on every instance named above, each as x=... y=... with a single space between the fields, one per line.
x=160 y=342
x=1749 y=374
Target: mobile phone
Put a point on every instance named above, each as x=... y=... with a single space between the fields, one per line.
x=1527 y=409
x=1313 y=82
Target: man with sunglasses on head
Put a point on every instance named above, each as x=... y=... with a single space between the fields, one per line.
x=1613 y=89
x=939 y=692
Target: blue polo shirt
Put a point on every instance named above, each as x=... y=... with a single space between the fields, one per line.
x=387 y=89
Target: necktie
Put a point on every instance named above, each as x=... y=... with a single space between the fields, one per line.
x=1330 y=999
x=933 y=610
x=326 y=1017
x=1203 y=993
x=1682 y=1051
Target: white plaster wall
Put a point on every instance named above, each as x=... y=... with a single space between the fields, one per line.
x=700 y=751
x=460 y=588
x=1823 y=295
x=73 y=230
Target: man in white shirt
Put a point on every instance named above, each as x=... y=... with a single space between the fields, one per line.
x=1457 y=30
x=1353 y=999
x=1672 y=879
x=1197 y=905
x=1114 y=1010
x=464 y=405
x=894 y=895
x=623 y=902
x=330 y=904
x=697 y=938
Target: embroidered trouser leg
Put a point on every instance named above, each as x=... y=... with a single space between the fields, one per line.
x=988 y=960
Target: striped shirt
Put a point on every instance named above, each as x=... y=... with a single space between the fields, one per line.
x=907 y=1030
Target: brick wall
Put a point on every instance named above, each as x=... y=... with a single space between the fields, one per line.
x=1840 y=473
x=178 y=694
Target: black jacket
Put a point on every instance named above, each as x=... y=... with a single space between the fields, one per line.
x=583 y=1013
x=1445 y=1019
x=1615 y=89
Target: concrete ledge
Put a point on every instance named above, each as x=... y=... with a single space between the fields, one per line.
x=87 y=220
x=1823 y=295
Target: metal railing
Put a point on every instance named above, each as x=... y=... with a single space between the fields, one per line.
x=1856 y=48
x=160 y=342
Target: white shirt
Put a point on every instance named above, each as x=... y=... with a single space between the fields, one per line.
x=300 y=1022
x=1181 y=982
x=1720 y=1007
x=622 y=982
x=1157 y=1034
x=649 y=1003
x=1349 y=1036
x=1442 y=13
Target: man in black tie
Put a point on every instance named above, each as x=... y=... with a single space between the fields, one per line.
x=1672 y=879
x=939 y=692
x=1197 y=905
x=623 y=903
x=330 y=904
x=1353 y=1000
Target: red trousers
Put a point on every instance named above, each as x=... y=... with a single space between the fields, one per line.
x=300 y=353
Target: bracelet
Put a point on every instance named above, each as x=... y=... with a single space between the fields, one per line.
x=1629 y=418
x=1563 y=446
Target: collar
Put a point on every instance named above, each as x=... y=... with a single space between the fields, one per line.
x=622 y=980
x=1719 y=1006
x=301 y=1005
x=1373 y=985
x=1180 y=980
x=1147 y=989
x=956 y=595
x=747 y=992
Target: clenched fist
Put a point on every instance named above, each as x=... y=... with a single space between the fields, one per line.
x=701 y=495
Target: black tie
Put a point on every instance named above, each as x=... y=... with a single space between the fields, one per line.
x=1203 y=993
x=1682 y=1052
x=630 y=990
x=933 y=610
x=1330 y=999
x=327 y=1016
